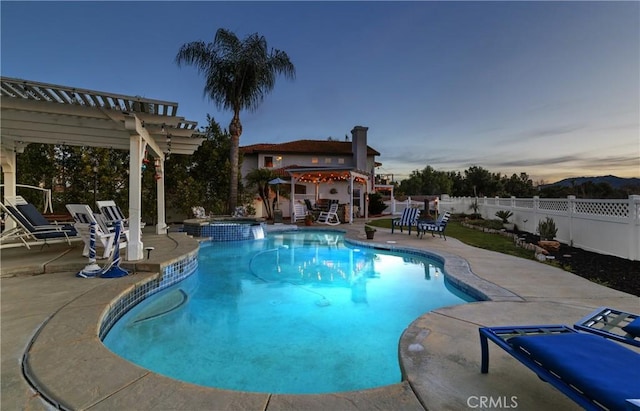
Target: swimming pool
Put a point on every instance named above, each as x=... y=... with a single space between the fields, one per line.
x=296 y=313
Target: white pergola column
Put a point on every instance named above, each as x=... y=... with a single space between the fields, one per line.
x=351 y=178
x=136 y=154
x=8 y=163
x=161 y=224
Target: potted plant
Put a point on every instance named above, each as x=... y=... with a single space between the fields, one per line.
x=308 y=219
x=504 y=215
x=369 y=231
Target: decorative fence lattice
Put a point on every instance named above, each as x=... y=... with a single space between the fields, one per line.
x=603 y=226
x=603 y=208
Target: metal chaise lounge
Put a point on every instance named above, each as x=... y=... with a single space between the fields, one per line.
x=32 y=228
x=596 y=372
x=612 y=324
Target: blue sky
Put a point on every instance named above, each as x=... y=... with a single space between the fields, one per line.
x=547 y=88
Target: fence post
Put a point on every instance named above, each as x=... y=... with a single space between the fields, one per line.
x=634 y=227
x=571 y=209
x=536 y=209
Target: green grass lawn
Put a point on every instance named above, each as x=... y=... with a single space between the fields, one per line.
x=476 y=238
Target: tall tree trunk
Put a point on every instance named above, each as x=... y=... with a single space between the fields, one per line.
x=235 y=129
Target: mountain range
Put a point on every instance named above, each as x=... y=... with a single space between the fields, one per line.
x=613 y=181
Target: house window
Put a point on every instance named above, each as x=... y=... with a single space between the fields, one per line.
x=268 y=161
x=301 y=189
x=341 y=161
x=314 y=160
x=327 y=160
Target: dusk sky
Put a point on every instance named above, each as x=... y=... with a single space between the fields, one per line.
x=547 y=88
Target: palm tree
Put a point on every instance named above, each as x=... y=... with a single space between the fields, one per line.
x=238 y=75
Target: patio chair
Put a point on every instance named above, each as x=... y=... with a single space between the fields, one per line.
x=83 y=216
x=595 y=372
x=299 y=213
x=408 y=219
x=31 y=226
x=437 y=226
x=329 y=217
x=310 y=208
x=198 y=212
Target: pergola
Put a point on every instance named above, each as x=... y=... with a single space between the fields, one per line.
x=34 y=112
x=320 y=175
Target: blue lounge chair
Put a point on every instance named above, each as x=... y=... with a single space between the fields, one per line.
x=613 y=324
x=31 y=226
x=409 y=218
x=437 y=226
x=593 y=371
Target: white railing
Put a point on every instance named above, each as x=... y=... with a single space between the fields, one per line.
x=397 y=207
x=602 y=226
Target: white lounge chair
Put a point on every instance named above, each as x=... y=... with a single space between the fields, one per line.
x=329 y=217
x=104 y=237
x=111 y=214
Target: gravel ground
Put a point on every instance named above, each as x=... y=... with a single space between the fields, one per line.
x=614 y=272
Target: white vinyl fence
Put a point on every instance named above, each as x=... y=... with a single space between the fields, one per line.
x=603 y=226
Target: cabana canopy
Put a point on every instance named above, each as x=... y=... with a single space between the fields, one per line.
x=320 y=175
x=34 y=112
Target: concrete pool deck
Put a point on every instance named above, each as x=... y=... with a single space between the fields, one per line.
x=53 y=317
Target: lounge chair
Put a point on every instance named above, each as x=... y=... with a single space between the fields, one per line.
x=409 y=218
x=612 y=324
x=111 y=214
x=437 y=226
x=31 y=226
x=329 y=217
x=104 y=237
x=299 y=213
x=595 y=372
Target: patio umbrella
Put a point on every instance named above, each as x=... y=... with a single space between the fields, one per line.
x=277 y=182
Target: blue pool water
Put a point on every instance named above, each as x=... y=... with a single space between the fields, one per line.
x=295 y=313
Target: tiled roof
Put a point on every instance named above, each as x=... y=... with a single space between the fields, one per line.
x=305 y=147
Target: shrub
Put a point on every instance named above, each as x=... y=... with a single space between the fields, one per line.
x=490 y=224
x=504 y=215
x=547 y=229
x=376 y=205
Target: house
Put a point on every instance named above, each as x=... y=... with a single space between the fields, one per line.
x=319 y=170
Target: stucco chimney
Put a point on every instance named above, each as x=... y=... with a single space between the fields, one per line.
x=359 y=147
